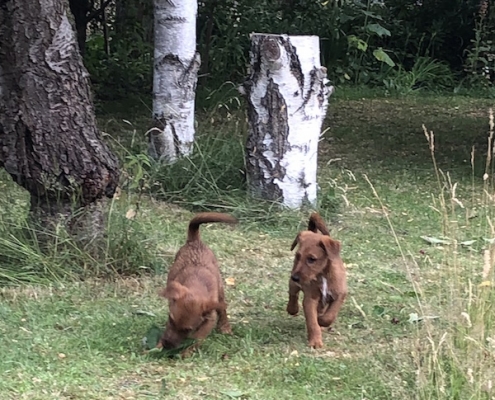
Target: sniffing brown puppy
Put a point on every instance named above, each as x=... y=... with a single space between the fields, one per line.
x=195 y=289
x=320 y=273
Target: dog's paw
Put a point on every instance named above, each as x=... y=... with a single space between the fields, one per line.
x=293 y=309
x=325 y=322
x=315 y=343
x=225 y=329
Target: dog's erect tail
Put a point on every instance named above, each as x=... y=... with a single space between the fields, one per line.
x=204 y=218
x=316 y=224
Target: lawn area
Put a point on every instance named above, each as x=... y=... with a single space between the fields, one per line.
x=418 y=322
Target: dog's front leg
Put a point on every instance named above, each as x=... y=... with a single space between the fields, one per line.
x=223 y=321
x=206 y=327
x=310 y=305
x=330 y=315
x=293 y=304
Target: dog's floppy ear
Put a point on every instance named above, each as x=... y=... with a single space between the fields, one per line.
x=295 y=242
x=331 y=247
x=174 y=291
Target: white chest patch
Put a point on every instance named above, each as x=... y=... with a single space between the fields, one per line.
x=324 y=289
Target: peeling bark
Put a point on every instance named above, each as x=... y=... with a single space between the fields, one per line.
x=176 y=65
x=49 y=141
x=287 y=97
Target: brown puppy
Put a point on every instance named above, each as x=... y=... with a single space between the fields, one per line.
x=195 y=289
x=320 y=273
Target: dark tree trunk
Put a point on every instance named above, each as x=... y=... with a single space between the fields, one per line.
x=205 y=64
x=80 y=9
x=49 y=142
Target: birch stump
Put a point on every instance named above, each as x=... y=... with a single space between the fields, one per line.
x=176 y=65
x=287 y=97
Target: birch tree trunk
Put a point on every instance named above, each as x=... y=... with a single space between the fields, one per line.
x=176 y=65
x=287 y=97
x=49 y=141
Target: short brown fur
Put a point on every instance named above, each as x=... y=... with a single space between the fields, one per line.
x=317 y=260
x=194 y=289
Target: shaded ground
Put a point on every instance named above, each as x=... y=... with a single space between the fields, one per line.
x=388 y=132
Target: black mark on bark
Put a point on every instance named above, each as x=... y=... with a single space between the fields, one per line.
x=294 y=63
x=262 y=169
x=176 y=141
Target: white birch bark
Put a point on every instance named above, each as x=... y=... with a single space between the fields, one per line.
x=287 y=97
x=176 y=65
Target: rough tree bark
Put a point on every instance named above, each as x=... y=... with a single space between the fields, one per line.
x=49 y=141
x=287 y=97
x=176 y=65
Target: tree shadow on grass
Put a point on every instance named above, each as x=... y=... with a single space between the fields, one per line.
x=389 y=133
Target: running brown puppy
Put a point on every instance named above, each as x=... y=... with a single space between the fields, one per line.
x=320 y=273
x=195 y=289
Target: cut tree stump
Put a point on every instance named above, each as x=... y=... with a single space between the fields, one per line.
x=287 y=93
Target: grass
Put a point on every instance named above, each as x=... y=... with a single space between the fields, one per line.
x=380 y=194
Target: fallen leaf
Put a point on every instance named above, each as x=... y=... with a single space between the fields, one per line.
x=433 y=240
x=61 y=356
x=144 y=312
x=131 y=213
x=232 y=393
x=414 y=317
x=230 y=281
x=485 y=284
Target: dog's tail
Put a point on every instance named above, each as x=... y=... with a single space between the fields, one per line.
x=316 y=224
x=206 y=217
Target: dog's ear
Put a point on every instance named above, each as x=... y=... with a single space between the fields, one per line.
x=174 y=291
x=295 y=242
x=331 y=247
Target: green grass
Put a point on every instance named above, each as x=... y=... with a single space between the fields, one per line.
x=83 y=339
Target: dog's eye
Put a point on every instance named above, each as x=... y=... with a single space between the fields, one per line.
x=311 y=259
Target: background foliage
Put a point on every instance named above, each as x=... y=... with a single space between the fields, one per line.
x=399 y=45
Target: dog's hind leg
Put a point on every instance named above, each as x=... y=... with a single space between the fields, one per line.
x=293 y=304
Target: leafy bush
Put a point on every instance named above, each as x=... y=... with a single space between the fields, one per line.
x=126 y=71
x=426 y=73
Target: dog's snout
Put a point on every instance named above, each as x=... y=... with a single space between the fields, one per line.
x=168 y=345
x=295 y=277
